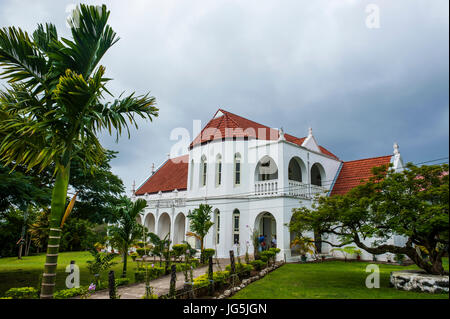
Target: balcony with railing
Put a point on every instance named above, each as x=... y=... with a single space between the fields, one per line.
x=295 y=189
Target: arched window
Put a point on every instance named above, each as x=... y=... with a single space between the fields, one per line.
x=317 y=174
x=219 y=170
x=217 y=224
x=266 y=169
x=294 y=171
x=236 y=221
x=203 y=171
x=237 y=169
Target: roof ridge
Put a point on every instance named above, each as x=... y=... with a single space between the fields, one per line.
x=363 y=159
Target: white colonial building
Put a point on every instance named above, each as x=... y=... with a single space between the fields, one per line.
x=252 y=176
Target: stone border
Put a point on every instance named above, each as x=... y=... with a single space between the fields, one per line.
x=416 y=280
x=245 y=282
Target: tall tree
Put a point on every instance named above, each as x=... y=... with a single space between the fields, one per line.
x=55 y=106
x=413 y=203
x=127 y=230
x=200 y=222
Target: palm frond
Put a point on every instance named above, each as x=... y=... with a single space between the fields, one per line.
x=20 y=58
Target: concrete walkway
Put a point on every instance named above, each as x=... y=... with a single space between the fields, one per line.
x=160 y=286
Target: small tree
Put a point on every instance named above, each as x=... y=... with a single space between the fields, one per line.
x=200 y=223
x=101 y=262
x=127 y=230
x=413 y=203
x=304 y=245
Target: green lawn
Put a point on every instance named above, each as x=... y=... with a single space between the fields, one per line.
x=334 y=279
x=26 y=272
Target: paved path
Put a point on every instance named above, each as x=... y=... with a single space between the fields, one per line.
x=160 y=286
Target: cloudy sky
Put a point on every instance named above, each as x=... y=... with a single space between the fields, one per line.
x=290 y=64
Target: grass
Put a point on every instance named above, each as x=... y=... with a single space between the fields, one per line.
x=26 y=272
x=329 y=280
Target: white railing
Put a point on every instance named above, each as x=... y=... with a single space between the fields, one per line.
x=266 y=188
x=296 y=189
x=166 y=203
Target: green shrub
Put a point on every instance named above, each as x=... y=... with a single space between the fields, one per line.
x=195 y=262
x=206 y=253
x=258 y=264
x=240 y=268
x=22 y=293
x=267 y=255
x=275 y=250
x=122 y=281
x=140 y=251
x=178 y=250
x=218 y=277
x=140 y=244
x=69 y=293
x=139 y=276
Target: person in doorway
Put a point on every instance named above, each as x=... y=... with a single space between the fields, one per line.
x=263 y=243
x=274 y=241
x=260 y=240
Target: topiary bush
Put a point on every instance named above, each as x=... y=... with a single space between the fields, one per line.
x=69 y=293
x=258 y=264
x=22 y=293
x=178 y=250
x=206 y=253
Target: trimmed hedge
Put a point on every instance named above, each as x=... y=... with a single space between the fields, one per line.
x=22 y=293
x=219 y=277
x=258 y=264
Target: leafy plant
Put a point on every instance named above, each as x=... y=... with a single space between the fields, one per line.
x=200 y=223
x=101 y=263
x=22 y=293
x=127 y=230
x=304 y=245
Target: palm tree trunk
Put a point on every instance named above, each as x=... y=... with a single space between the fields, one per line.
x=58 y=204
x=125 y=259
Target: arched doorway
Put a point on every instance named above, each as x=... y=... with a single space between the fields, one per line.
x=164 y=225
x=139 y=219
x=179 y=229
x=266 y=224
x=150 y=222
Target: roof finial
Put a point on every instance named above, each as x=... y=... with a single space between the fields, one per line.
x=396 y=147
x=281 y=138
x=133 y=188
x=310 y=131
x=153 y=168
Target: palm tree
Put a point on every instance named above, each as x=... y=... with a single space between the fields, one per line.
x=200 y=223
x=55 y=106
x=127 y=230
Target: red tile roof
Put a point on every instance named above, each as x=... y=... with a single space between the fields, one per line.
x=353 y=172
x=173 y=174
x=230 y=125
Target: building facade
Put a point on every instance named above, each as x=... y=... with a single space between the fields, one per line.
x=252 y=176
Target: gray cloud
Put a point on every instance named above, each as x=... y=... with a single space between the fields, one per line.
x=281 y=63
